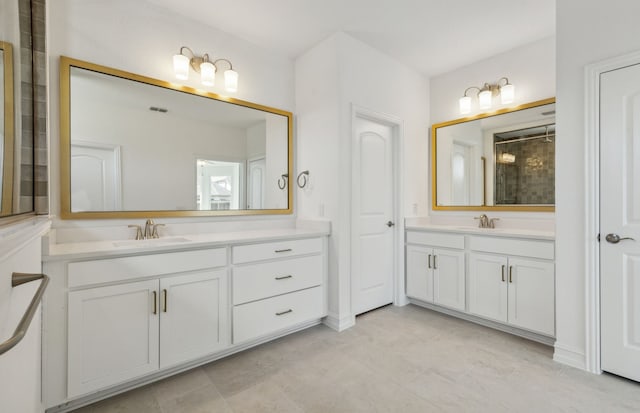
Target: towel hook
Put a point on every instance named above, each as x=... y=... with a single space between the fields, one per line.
x=303 y=176
x=282 y=181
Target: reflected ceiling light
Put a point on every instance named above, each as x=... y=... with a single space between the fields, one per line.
x=486 y=93
x=204 y=66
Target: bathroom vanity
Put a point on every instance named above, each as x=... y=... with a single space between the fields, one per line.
x=120 y=314
x=499 y=277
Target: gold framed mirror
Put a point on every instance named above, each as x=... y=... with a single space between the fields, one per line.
x=134 y=147
x=7 y=128
x=501 y=161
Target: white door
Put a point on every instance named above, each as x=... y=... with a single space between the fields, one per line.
x=372 y=207
x=113 y=335
x=193 y=313
x=532 y=295
x=488 y=286
x=95 y=177
x=620 y=218
x=448 y=278
x=419 y=273
x=460 y=174
x=255 y=188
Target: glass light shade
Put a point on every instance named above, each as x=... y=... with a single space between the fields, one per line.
x=208 y=74
x=507 y=93
x=181 y=66
x=484 y=99
x=231 y=80
x=465 y=105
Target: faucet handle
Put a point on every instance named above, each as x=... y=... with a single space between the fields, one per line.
x=139 y=234
x=154 y=233
x=492 y=222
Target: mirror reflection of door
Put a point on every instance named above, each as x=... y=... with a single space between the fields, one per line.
x=218 y=185
x=97 y=185
x=255 y=183
x=460 y=174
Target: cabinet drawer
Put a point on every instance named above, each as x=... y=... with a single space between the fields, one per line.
x=276 y=249
x=266 y=316
x=436 y=239
x=509 y=246
x=257 y=281
x=126 y=268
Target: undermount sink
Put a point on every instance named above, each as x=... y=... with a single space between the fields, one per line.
x=150 y=242
x=480 y=229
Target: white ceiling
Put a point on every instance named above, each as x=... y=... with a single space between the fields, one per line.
x=432 y=36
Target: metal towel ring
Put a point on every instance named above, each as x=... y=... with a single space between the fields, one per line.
x=302 y=176
x=282 y=181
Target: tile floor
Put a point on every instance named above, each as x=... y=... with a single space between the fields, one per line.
x=396 y=359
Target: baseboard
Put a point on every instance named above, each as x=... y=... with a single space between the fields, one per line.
x=339 y=324
x=549 y=341
x=570 y=356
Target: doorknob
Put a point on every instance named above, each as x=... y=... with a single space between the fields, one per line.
x=615 y=238
x=390 y=224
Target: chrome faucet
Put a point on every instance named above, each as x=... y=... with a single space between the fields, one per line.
x=486 y=222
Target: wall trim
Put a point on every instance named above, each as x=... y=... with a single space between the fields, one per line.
x=592 y=198
x=571 y=356
x=339 y=324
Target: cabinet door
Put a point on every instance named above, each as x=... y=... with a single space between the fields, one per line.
x=419 y=273
x=113 y=335
x=532 y=295
x=488 y=286
x=193 y=314
x=448 y=278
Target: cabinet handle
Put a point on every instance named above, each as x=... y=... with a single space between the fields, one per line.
x=284 y=312
x=165 y=293
x=435 y=264
x=155 y=303
x=503 y=272
x=284 y=277
x=511 y=273
x=287 y=250
x=429 y=260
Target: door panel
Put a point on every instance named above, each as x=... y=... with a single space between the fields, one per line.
x=488 y=286
x=113 y=335
x=448 y=278
x=96 y=186
x=620 y=214
x=419 y=273
x=193 y=313
x=372 y=198
x=531 y=295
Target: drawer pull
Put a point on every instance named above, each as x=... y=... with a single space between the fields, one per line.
x=284 y=277
x=429 y=261
x=284 y=312
x=165 y=299
x=503 y=273
x=155 y=303
x=511 y=273
x=287 y=250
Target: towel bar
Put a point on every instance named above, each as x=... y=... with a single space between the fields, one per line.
x=16 y=280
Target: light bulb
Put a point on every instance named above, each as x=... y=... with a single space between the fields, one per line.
x=465 y=105
x=484 y=99
x=231 y=80
x=181 y=66
x=507 y=93
x=208 y=74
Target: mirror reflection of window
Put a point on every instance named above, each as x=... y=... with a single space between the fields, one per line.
x=218 y=185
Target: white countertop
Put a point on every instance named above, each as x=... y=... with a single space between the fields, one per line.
x=55 y=252
x=496 y=232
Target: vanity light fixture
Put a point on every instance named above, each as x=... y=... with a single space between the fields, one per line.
x=203 y=65
x=486 y=93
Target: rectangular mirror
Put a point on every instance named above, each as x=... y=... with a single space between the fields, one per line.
x=6 y=128
x=499 y=161
x=133 y=146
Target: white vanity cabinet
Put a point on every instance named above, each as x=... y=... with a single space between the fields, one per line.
x=436 y=268
x=125 y=330
x=277 y=285
x=516 y=288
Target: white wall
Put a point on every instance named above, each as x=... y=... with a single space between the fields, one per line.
x=330 y=78
x=587 y=32
x=141 y=38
